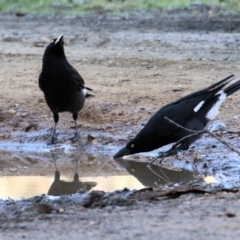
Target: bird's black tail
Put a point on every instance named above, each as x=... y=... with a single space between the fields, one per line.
x=221 y=83
x=89 y=89
x=88 y=94
x=233 y=88
x=212 y=90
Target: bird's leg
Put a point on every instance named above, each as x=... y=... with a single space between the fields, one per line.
x=53 y=139
x=172 y=151
x=162 y=156
x=75 y=138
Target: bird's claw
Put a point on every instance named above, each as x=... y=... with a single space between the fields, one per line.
x=74 y=138
x=52 y=141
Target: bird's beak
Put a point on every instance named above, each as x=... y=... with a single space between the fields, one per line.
x=123 y=152
x=124 y=164
x=59 y=39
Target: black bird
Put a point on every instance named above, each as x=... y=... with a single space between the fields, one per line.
x=62 y=85
x=193 y=111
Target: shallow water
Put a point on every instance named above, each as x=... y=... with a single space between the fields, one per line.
x=74 y=176
x=30 y=169
x=141 y=176
x=28 y=186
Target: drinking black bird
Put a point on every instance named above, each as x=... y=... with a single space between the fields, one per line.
x=193 y=111
x=62 y=85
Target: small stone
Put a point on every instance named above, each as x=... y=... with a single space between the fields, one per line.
x=61 y=210
x=90 y=137
x=12 y=111
x=24 y=114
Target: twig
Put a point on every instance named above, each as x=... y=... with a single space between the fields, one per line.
x=187 y=129
x=223 y=142
x=161 y=177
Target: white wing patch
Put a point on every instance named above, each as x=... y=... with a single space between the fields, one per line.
x=84 y=91
x=198 y=106
x=215 y=108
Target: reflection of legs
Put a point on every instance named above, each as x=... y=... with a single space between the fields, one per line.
x=76 y=176
x=75 y=117
x=57 y=173
x=53 y=139
x=54 y=161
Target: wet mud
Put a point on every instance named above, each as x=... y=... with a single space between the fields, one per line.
x=135 y=62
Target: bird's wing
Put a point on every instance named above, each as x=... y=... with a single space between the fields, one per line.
x=183 y=109
x=77 y=78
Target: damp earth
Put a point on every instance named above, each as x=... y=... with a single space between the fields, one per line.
x=135 y=62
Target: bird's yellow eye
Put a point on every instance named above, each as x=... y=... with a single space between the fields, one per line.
x=132 y=170
x=52 y=41
x=132 y=145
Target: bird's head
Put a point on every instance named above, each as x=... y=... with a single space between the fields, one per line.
x=56 y=47
x=134 y=146
x=146 y=140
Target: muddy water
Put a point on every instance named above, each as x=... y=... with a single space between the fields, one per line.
x=136 y=176
x=34 y=169
x=28 y=186
x=31 y=169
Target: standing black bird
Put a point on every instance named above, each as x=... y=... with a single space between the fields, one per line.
x=62 y=85
x=193 y=111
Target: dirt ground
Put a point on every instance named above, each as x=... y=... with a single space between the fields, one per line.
x=136 y=63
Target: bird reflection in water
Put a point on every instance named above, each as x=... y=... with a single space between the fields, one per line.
x=157 y=176
x=61 y=187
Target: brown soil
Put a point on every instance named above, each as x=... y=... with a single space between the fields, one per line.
x=135 y=63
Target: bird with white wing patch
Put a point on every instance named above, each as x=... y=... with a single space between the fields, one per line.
x=192 y=112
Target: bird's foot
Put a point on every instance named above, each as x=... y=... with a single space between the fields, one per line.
x=161 y=154
x=74 y=138
x=52 y=141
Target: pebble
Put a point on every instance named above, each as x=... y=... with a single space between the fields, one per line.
x=24 y=114
x=12 y=111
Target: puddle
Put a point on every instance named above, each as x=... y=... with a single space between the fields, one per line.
x=28 y=186
x=130 y=174
x=139 y=176
x=29 y=169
